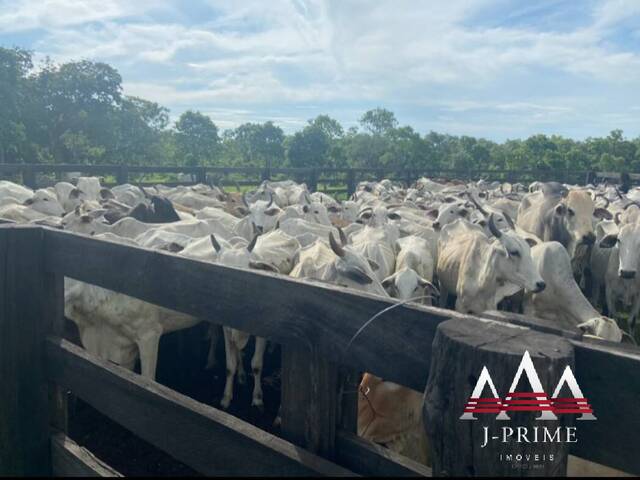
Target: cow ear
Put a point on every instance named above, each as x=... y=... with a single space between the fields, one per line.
x=387 y=282
x=263 y=266
x=609 y=241
x=374 y=265
x=305 y=208
x=75 y=193
x=354 y=273
x=532 y=242
x=28 y=201
x=433 y=213
x=463 y=212
x=105 y=194
x=85 y=219
x=561 y=209
x=393 y=216
x=242 y=210
x=602 y=213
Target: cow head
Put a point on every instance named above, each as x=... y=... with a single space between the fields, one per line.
x=377 y=216
x=628 y=242
x=603 y=328
x=575 y=213
x=45 y=202
x=262 y=213
x=240 y=255
x=86 y=222
x=316 y=212
x=449 y=212
x=353 y=269
x=406 y=283
x=513 y=260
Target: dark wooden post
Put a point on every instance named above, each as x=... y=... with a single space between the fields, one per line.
x=461 y=348
x=309 y=407
x=24 y=429
x=201 y=175
x=122 y=175
x=29 y=176
x=351 y=182
x=312 y=186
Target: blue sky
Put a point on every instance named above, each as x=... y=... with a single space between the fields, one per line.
x=492 y=68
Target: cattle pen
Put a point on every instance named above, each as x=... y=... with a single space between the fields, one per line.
x=327 y=179
x=314 y=323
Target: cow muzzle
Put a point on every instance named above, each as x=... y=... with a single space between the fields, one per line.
x=540 y=286
x=627 y=274
x=588 y=239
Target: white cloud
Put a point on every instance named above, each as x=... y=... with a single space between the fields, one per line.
x=254 y=55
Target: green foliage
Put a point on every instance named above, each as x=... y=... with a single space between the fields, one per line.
x=76 y=113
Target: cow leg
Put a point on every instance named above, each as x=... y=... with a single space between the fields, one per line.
x=257 y=362
x=148 y=347
x=633 y=317
x=232 y=362
x=212 y=335
x=242 y=376
x=611 y=301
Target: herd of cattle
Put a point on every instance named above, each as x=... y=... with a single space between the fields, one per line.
x=562 y=253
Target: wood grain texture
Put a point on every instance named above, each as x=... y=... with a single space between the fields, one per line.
x=208 y=440
x=370 y=459
x=461 y=349
x=309 y=406
x=68 y=459
x=24 y=441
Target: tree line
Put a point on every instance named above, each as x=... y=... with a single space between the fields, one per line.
x=76 y=112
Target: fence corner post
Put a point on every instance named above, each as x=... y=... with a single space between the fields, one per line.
x=461 y=351
x=24 y=400
x=29 y=176
x=351 y=182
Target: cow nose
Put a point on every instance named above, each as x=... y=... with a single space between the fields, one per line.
x=589 y=239
x=627 y=274
x=540 y=286
x=436 y=225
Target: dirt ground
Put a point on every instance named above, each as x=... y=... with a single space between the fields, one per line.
x=181 y=365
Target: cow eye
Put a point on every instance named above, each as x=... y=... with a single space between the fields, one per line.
x=515 y=253
x=271 y=212
x=571 y=212
x=366 y=216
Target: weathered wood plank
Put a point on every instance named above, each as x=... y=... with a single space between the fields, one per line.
x=309 y=406
x=24 y=430
x=610 y=379
x=68 y=459
x=309 y=313
x=367 y=458
x=202 y=437
x=53 y=290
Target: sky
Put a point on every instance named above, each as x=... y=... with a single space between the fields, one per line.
x=497 y=69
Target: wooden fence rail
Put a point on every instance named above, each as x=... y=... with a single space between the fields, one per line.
x=340 y=179
x=311 y=321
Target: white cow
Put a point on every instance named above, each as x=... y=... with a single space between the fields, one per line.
x=483 y=271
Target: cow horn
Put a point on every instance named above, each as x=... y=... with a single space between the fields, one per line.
x=509 y=220
x=271 y=200
x=307 y=197
x=252 y=244
x=617 y=218
x=603 y=196
x=475 y=202
x=214 y=242
x=244 y=200
x=144 y=192
x=337 y=249
x=343 y=238
x=493 y=229
x=629 y=204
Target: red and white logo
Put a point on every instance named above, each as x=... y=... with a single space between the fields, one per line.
x=535 y=401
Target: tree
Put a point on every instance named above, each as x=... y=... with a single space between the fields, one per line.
x=14 y=66
x=259 y=144
x=309 y=148
x=196 y=138
x=378 y=121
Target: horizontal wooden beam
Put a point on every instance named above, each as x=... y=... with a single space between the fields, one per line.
x=370 y=459
x=68 y=459
x=208 y=440
x=396 y=346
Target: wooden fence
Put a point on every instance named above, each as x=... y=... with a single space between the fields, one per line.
x=335 y=180
x=314 y=323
